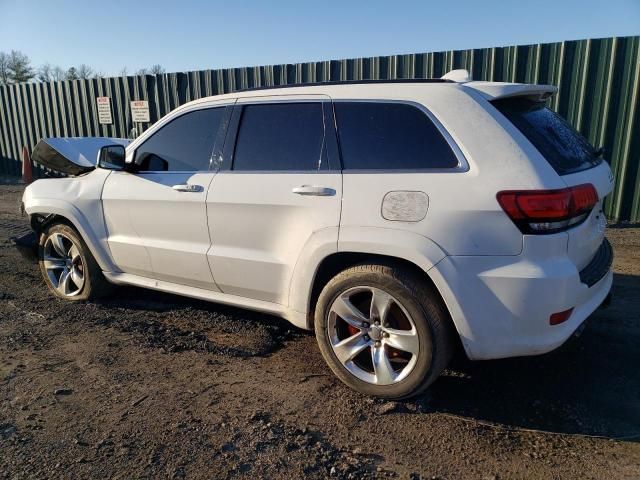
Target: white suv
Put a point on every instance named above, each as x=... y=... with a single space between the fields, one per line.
x=392 y=217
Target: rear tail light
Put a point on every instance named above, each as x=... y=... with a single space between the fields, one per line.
x=548 y=211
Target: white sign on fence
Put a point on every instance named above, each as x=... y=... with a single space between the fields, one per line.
x=104 y=110
x=140 y=111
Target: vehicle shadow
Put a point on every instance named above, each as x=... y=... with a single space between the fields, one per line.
x=591 y=385
x=147 y=300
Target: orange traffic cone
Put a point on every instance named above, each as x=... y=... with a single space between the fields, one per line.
x=27 y=172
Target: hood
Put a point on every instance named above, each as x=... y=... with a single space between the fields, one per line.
x=73 y=155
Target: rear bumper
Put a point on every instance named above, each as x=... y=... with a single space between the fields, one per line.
x=599 y=265
x=501 y=305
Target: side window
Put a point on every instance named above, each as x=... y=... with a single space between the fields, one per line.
x=388 y=136
x=184 y=144
x=280 y=136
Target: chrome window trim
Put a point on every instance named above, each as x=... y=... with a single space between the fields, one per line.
x=164 y=172
x=271 y=172
x=462 y=167
x=217 y=172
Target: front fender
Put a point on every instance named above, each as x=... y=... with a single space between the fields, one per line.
x=77 y=200
x=79 y=221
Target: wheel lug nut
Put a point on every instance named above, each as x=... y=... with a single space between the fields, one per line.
x=385 y=335
x=377 y=344
x=377 y=322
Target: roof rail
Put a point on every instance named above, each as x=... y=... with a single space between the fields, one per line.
x=348 y=82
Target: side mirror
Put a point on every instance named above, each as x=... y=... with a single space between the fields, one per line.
x=112 y=157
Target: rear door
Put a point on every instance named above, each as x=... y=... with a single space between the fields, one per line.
x=281 y=184
x=156 y=216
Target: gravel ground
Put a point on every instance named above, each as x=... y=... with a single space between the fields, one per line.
x=148 y=384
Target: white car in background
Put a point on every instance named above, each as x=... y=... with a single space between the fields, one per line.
x=393 y=217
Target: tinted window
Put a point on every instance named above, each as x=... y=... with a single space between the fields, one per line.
x=390 y=136
x=184 y=144
x=565 y=149
x=285 y=136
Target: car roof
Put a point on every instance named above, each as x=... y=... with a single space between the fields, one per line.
x=459 y=79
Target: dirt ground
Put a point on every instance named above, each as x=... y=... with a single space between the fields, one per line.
x=153 y=385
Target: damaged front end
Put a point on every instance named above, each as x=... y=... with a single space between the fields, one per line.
x=73 y=155
x=67 y=156
x=27 y=244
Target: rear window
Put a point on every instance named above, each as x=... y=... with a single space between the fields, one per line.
x=564 y=148
x=390 y=136
x=280 y=136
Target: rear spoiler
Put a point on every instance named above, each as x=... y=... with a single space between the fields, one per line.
x=72 y=155
x=496 y=90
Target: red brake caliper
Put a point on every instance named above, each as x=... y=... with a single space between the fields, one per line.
x=352 y=330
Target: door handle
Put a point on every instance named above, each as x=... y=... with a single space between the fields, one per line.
x=188 y=188
x=312 y=190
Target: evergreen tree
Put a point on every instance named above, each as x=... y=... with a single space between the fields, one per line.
x=72 y=74
x=19 y=67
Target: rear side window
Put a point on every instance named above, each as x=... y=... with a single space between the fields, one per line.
x=564 y=148
x=375 y=136
x=184 y=144
x=280 y=136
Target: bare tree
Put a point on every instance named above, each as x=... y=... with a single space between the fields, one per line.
x=124 y=72
x=156 y=69
x=58 y=74
x=45 y=73
x=50 y=73
x=20 y=67
x=5 y=74
x=85 y=71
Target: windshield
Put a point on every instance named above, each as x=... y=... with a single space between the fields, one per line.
x=564 y=148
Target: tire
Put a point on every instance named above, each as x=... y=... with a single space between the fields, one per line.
x=427 y=334
x=61 y=251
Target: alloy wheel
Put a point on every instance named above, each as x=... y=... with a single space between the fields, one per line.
x=64 y=264
x=373 y=336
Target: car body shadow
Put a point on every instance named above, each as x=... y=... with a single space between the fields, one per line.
x=589 y=386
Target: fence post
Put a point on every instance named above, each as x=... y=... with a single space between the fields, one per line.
x=27 y=171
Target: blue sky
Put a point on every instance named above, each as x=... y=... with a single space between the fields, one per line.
x=191 y=35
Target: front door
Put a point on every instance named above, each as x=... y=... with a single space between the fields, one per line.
x=156 y=216
x=278 y=190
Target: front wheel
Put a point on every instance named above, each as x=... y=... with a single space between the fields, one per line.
x=68 y=268
x=382 y=331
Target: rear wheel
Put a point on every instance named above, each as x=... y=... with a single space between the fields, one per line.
x=68 y=268
x=382 y=331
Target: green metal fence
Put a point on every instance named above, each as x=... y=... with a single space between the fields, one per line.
x=598 y=84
